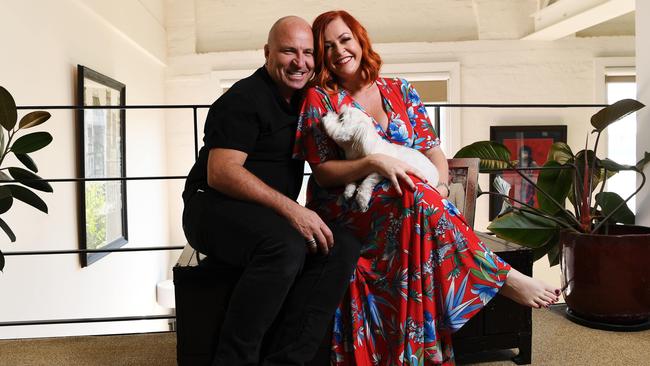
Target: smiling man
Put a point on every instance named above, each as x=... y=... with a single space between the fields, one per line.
x=240 y=210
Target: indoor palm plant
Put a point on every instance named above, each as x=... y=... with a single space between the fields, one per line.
x=552 y=229
x=19 y=182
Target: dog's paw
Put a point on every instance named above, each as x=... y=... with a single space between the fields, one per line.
x=349 y=191
x=363 y=207
x=363 y=200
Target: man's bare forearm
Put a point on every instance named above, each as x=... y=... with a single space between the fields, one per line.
x=236 y=181
x=226 y=174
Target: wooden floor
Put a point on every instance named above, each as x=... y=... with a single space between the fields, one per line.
x=556 y=341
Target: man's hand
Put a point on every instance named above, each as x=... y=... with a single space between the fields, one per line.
x=310 y=225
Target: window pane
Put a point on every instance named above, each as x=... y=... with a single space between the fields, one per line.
x=623 y=183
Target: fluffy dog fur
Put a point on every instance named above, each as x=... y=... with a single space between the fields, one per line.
x=354 y=131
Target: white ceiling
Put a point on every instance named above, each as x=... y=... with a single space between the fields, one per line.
x=234 y=25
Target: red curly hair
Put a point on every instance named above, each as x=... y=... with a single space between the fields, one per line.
x=370 y=60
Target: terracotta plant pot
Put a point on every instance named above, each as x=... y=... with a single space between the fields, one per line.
x=606 y=278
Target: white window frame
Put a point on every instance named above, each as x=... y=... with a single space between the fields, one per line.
x=609 y=66
x=431 y=71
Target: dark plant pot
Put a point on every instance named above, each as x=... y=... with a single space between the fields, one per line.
x=606 y=278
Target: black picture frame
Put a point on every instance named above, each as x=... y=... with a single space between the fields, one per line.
x=101 y=137
x=533 y=141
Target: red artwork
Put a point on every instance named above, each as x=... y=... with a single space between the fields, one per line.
x=531 y=152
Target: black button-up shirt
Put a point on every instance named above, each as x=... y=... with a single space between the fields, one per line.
x=253 y=118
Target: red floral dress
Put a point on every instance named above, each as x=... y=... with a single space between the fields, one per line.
x=422 y=272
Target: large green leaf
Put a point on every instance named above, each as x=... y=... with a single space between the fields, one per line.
x=493 y=155
x=7 y=230
x=608 y=201
x=597 y=174
x=5 y=199
x=539 y=252
x=2 y=141
x=641 y=163
x=27 y=178
x=613 y=166
x=28 y=162
x=551 y=249
x=614 y=112
x=554 y=251
x=23 y=194
x=4 y=192
x=31 y=142
x=560 y=152
x=33 y=119
x=557 y=183
x=524 y=228
x=8 y=111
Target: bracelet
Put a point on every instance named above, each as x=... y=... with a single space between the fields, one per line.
x=443 y=184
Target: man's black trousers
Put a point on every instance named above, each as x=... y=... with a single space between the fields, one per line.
x=285 y=297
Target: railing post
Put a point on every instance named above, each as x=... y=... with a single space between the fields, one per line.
x=196 y=136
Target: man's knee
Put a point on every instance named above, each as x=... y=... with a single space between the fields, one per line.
x=286 y=253
x=346 y=246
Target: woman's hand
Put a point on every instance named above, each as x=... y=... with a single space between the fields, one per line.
x=394 y=170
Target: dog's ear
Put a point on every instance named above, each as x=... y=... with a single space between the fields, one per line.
x=345 y=113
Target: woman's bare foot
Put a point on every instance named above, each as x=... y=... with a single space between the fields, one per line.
x=528 y=291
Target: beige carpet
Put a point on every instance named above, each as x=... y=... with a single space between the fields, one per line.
x=556 y=341
x=155 y=349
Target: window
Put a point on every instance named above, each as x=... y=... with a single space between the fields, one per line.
x=621 y=84
x=435 y=91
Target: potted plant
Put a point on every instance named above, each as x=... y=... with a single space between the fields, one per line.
x=20 y=149
x=603 y=256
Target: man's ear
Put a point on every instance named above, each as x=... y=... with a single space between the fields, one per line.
x=266 y=53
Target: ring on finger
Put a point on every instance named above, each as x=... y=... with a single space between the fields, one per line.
x=311 y=243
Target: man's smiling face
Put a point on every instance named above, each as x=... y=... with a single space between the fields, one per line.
x=290 y=55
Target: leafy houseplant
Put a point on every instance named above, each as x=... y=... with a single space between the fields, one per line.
x=21 y=147
x=551 y=229
x=564 y=175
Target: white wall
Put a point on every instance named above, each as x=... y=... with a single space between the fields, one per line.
x=43 y=41
x=643 y=95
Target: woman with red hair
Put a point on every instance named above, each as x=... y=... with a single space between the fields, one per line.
x=422 y=272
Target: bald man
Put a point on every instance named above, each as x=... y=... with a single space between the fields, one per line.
x=241 y=211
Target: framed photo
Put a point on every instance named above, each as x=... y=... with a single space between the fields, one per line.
x=463 y=178
x=529 y=147
x=101 y=135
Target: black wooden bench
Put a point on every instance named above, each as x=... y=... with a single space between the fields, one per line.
x=202 y=292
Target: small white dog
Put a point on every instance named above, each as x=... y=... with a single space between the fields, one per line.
x=354 y=131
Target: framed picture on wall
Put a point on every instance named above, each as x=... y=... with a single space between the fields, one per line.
x=101 y=139
x=529 y=147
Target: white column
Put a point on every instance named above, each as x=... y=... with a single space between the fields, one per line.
x=643 y=95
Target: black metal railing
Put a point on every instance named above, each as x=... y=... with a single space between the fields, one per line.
x=437 y=107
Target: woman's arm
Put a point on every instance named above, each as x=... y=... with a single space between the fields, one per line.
x=337 y=173
x=438 y=158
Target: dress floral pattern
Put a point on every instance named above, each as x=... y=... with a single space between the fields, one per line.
x=422 y=273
